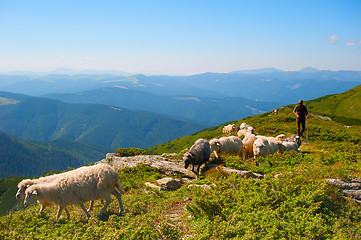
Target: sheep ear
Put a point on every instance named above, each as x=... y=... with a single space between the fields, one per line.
x=191 y=155
x=35 y=192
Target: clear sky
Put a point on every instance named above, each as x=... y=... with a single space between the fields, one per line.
x=179 y=36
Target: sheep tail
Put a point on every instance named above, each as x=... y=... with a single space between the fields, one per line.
x=120 y=189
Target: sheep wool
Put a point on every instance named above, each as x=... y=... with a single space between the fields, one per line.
x=78 y=186
x=231 y=145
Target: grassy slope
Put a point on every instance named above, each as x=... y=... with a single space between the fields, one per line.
x=343 y=107
x=298 y=204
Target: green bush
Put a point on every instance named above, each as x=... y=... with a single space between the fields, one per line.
x=127 y=152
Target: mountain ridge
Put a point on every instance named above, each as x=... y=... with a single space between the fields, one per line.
x=45 y=120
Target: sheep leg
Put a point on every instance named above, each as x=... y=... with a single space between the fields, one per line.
x=67 y=213
x=119 y=197
x=198 y=167
x=84 y=209
x=59 y=212
x=107 y=202
x=91 y=206
x=42 y=207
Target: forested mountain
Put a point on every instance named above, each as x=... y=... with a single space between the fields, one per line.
x=46 y=120
x=29 y=158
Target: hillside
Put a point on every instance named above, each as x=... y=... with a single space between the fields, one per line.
x=43 y=119
x=28 y=158
x=298 y=203
x=343 y=107
x=293 y=200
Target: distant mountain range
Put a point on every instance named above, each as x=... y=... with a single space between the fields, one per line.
x=46 y=120
x=203 y=109
x=271 y=85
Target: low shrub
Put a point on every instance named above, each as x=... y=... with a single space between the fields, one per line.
x=128 y=152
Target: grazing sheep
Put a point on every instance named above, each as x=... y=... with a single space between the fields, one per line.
x=295 y=138
x=231 y=145
x=78 y=186
x=248 y=141
x=244 y=128
x=198 y=154
x=263 y=146
x=229 y=129
x=281 y=138
x=24 y=184
x=291 y=143
x=288 y=146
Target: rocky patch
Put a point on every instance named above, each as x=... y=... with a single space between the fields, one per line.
x=351 y=189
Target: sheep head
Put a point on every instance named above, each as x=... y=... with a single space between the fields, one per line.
x=188 y=159
x=31 y=195
x=21 y=191
x=215 y=144
x=22 y=186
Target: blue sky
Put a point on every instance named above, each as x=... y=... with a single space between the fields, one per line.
x=179 y=37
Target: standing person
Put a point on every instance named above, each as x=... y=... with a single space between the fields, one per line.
x=301 y=112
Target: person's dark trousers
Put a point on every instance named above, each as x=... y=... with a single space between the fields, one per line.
x=301 y=122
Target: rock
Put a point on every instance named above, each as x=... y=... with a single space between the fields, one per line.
x=152 y=185
x=169 y=183
x=174 y=167
x=325 y=118
x=204 y=186
x=186 y=180
x=355 y=184
x=354 y=193
x=351 y=189
x=245 y=174
x=170 y=155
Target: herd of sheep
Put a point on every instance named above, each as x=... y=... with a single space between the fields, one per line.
x=251 y=144
x=100 y=181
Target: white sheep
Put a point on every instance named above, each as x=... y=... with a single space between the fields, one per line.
x=24 y=184
x=291 y=143
x=243 y=129
x=288 y=146
x=231 y=145
x=229 y=129
x=78 y=186
x=281 y=138
x=263 y=146
x=295 y=138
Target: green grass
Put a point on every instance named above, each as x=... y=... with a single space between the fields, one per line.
x=344 y=108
